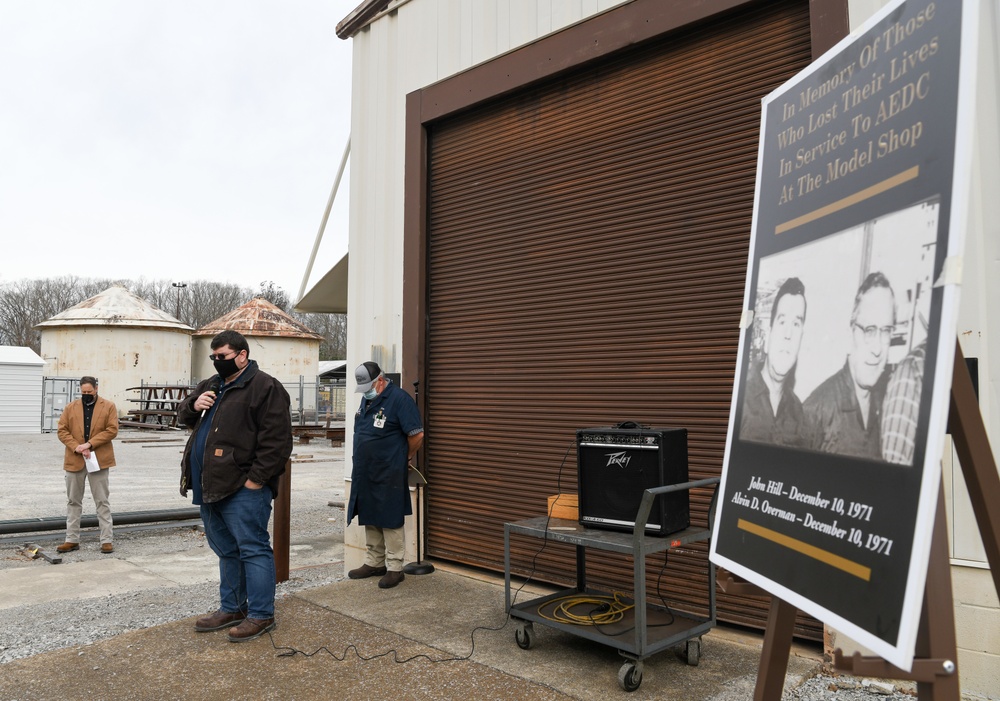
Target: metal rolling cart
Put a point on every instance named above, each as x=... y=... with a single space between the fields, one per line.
x=654 y=628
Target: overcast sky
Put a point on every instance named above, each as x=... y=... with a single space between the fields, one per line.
x=178 y=140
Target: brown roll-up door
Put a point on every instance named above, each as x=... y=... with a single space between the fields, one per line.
x=587 y=248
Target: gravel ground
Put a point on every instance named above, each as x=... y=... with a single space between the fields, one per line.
x=29 y=630
x=841 y=688
x=145 y=478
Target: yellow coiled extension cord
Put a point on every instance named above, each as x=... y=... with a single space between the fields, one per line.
x=602 y=609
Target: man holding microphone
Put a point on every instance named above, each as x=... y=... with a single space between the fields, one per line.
x=241 y=442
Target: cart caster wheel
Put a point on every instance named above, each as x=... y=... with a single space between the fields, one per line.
x=524 y=636
x=629 y=676
x=693 y=652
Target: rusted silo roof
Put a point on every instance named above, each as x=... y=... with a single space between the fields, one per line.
x=116 y=306
x=258 y=317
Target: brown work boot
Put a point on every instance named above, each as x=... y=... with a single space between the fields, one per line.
x=217 y=621
x=391 y=579
x=251 y=628
x=107 y=548
x=67 y=547
x=366 y=571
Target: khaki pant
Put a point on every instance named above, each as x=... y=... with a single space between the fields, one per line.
x=99 y=490
x=384 y=546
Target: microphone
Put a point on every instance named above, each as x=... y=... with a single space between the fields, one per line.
x=214 y=386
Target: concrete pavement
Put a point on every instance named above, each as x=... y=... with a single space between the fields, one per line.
x=438 y=636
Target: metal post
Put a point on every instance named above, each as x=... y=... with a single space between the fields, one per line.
x=418 y=567
x=177 y=308
x=302 y=400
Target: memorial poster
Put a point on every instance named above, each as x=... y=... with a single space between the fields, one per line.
x=840 y=400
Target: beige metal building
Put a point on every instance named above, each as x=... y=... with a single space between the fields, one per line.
x=121 y=340
x=523 y=171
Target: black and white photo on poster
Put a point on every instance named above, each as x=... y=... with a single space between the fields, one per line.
x=818 y=330
x=840 y=397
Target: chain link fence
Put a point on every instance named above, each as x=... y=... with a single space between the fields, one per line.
x=316 y=402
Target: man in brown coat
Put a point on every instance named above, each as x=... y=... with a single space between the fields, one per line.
x=87 y=427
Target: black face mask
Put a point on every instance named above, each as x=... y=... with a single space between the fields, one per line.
x=226 y=368
x=88 y=399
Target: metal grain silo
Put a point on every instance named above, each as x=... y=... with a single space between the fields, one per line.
x=283 y=347
x=120 y=339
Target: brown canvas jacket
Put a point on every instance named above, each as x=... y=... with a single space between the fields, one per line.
x=103 y=429
x=250 y=437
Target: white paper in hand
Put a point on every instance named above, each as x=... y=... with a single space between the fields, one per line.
x=91 y=462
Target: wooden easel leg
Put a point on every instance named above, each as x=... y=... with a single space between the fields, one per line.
x=936 y=638
x=935 y=667
x=775 y=652
x=965 y=423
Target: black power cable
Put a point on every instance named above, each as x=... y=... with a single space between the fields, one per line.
x=289 y=651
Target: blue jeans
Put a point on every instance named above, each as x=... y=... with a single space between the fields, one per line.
x=236 y=528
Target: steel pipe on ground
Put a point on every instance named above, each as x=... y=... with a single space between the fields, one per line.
x=55 y=523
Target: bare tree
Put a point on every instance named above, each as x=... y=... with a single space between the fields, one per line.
x=275 y=295
x=26 y=303
x=17 y=319
x=195 y=303
x=333 y=329
x=157 y=293
x=207 y=301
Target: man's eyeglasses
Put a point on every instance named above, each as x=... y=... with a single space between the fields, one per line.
x=873 y=332
x=219 y=356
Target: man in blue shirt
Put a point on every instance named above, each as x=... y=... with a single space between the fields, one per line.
x=387 y=434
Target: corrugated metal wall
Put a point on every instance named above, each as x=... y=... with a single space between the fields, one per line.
x=21 y=388
x=587 y=247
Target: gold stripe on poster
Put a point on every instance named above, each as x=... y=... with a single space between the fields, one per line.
x=860 y=196
x=841 y=563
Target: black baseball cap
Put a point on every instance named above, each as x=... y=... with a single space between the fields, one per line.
x=365 y=375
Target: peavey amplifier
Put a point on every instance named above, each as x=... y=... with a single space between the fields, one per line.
x=616 y=465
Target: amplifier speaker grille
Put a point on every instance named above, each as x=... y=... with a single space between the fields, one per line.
x=616 y=465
